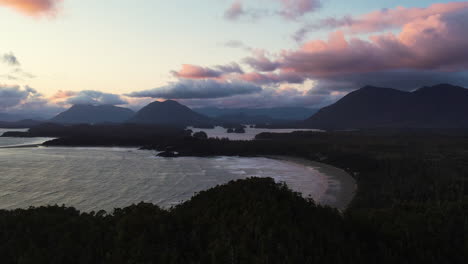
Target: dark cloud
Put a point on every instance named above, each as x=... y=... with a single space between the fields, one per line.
x=94 y=98
x=13 y=95
x=229 y=68
x=289 y=9
x=272 y=78
x=268 y=97
x=293 y=9
x=10 y=59
x=261 y=62
x=192 y=89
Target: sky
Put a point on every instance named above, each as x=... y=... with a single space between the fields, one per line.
x=222 y=53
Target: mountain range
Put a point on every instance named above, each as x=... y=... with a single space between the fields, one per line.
x=439 y=106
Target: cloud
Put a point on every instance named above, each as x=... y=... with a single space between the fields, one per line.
x=87 y=97
x=261 y=62
x=292 y=9
x=437 y=42
x=282 y=96
x=193 y=89
x=33 y=7
x=26 y=101
x=289 y=9
x=196 y=72
x=380 y=20
x=12 y=95
x=10 y=59
x=235 y=11
x=190 y=71
x=328 y=23
x=272 y=78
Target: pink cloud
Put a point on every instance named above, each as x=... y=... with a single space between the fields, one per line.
x=436 y=42
x=399 y=16
x=235 y=11
x=32 y=7
x=190 y=71
x=62 y=95
x=380 y=20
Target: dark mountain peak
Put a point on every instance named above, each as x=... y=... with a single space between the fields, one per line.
x=171 y=102
x=371 y=87
x=377 y=90
x=438 y=106
x=91 y=106
x=441 y=88
x=167 y=103
x=169 y=112
x=88 y=113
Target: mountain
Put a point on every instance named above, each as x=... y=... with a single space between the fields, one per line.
x=169 y=113
x=439 y=106
x=92 y=114
x=278 y=113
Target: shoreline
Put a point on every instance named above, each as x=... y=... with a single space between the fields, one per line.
x=341 y=186
x=340 y=190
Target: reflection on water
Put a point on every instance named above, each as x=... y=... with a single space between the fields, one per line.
x=106 y=178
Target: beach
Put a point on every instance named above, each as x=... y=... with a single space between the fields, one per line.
x=341 y=186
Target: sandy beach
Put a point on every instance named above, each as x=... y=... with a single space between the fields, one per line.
x=341 y=186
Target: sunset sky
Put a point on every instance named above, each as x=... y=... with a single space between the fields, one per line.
x=225 y=53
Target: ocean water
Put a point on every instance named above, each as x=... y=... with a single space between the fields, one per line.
x=250 y=133
x=107 y=178
x=6 y=142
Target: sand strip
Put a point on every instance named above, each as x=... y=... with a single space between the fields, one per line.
x=341 y=185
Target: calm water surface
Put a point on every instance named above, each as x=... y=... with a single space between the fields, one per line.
x=250 y=133
x=107 y=178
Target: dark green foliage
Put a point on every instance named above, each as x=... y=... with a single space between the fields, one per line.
x=200 y=135
x=247 y=221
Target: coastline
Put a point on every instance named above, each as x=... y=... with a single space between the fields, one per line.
x=341 y=186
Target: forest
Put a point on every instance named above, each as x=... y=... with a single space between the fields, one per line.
x=411 y=207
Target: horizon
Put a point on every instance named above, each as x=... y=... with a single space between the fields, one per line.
x=317 y=53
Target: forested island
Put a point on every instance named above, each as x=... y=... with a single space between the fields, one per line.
x=411 y=205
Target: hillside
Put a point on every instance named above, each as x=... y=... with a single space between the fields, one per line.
x=169 y=113
x=440 y=106
x=92 y=114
